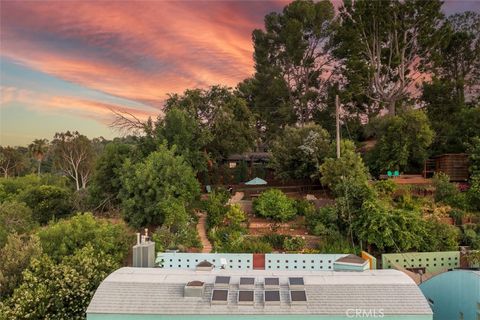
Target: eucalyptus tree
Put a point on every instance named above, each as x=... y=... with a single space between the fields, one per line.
x=292 y=58
x=74 y=156
x=457 y=59
x=385 y=46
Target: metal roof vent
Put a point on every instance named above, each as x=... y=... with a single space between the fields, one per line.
x=205 y=266
x=194 y=289
x=144 y=252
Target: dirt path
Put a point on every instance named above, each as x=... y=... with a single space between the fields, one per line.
x=202 y=232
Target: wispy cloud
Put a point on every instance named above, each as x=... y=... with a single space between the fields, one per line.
x=96 y=110
x=135 y=50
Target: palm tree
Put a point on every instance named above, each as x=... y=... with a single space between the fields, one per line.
x=38 y=148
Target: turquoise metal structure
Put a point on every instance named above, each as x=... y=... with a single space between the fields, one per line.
x=454 y=295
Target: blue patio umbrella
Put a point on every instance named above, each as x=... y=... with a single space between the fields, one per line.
x=256 y=182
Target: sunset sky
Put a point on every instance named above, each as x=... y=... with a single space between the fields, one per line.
x=64 y=64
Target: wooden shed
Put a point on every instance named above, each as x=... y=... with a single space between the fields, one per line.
x=455 y=165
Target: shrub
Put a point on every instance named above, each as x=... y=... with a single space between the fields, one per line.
x=216 y=209
x=11 y=187
x=48 y=202
x=235 y=217
x=349 y=167
x=335 y=242
x=474 y=155
x=15 y=257
x=254 y=246
x=64 y=237
x=274 y=204
x=473 y=194
x=304 y=207
x=275 y=240
x=59 y=290
x=440 y=236
x=178 y=229
x=321 y=220
x=294 y=244
x=444 y=190
x=385 y=187
x=160 y=176
x=15 y=217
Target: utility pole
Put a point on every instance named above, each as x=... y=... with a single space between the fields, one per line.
x=337 y=118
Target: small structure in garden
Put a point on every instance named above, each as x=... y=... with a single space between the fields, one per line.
x=455 y=165
x=256 y=182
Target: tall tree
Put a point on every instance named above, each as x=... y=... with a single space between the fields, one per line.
x=219 y=112
x=457 y=59
x=147 y=185
x=74 y=156
x=38 y=149
x=10 y=160
x=384 y=45
x=292 y=54
x=181 y=129
x=298 y=152
x=402 y=142
x=106 y=184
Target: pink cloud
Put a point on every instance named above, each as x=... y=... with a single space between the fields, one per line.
x=96 y=110
x=135 y=50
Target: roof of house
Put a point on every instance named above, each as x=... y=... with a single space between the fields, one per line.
x=351 y=259
x=159 y=291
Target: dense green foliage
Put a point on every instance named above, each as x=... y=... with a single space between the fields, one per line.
x=106 y=181
x=297 y=152
x=290 y=57
x=147 y=185
x=178 y=228
x=274 y=204
x=48 y=202
x=53 y=290
x=64 y=237
x=402 y=142
x=14 y=218
x=15 y=257
x=215 y=122
x=348 y=168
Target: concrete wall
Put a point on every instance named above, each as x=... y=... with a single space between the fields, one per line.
x=453 y=292
x=244 y=317
x=301 y=261
x=181 y=260
x=433 y=262
x=243 y=261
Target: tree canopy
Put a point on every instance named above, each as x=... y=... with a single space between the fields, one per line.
x=145 y=185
